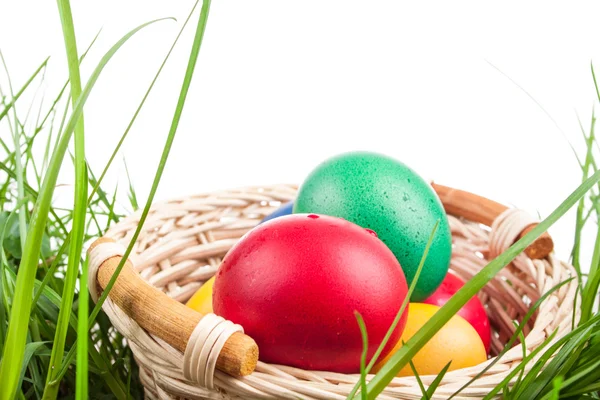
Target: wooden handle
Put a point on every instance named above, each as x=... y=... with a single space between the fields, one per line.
x=485 y=211
x=168 y=319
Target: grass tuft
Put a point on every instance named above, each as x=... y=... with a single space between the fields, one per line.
x=42 y=310
x=431 y=327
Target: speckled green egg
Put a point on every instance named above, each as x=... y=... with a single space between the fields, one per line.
x=386 y=196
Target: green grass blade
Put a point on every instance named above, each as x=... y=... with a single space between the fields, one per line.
x=167 y=148
x=518 y=332
x=503 y=385
x=52 y=108
x=524 y=353
x=5 y=309
x=142 y=102
x=131 y=193
x=18 y=162
x=101 y=195
x=79 y=212
x=32 y=193
x=584 y=377
x=11 y=104
x=102 y=364
x=419 y=381
x=595 y=81
x=30 y=350
x=116 y=385
x=562 y=351
x=363 y=355
x=438 y=379
x=405 y=302
x=431 y=327
x=590 y=289
x=47 y=307
x=3 y=304
x=82 y=332
x=129 y=379
x=580 y=392
x=579 y=219
x=50 y=302
x=50 y=273
x=17 y=327
x=549 y=364
x=111 y=208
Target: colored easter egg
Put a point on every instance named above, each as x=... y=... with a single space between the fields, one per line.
x=201 y=301
x=457 y=342
x=382 y=194
x=285 y=209
x=295 y=282
x=473 y=311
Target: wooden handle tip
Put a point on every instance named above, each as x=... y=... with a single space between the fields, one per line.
x=541 y=247
x=239 y=355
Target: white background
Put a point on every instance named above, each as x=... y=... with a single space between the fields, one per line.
x=282 y=85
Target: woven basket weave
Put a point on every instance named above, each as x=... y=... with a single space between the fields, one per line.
x=183 y=241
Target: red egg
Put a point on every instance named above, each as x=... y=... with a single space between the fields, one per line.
x=295 y=282
x=473 y=311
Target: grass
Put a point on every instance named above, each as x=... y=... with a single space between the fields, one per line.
x=35 y=335
x=402 y=357
x=566 y=369
x=28 y=265
x=77 y=227
x=54 y=345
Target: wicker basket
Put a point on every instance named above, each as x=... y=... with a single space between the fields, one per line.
x=182 y=355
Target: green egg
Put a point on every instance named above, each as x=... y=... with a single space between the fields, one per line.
x=386 y=196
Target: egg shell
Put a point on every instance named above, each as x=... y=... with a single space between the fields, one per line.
x=473 y=311
x=457 y=342
x=385 y=195
x=295 y=282
x=285 y=209
x=201 y=301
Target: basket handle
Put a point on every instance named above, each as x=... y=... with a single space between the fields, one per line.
x=167 y=318
x=485 y=211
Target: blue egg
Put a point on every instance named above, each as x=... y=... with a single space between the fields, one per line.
x=285 y=209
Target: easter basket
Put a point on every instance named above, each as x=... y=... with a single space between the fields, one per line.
x=184 y=355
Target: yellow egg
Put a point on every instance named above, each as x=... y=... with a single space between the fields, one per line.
x=201 y=301
x=457 y=341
